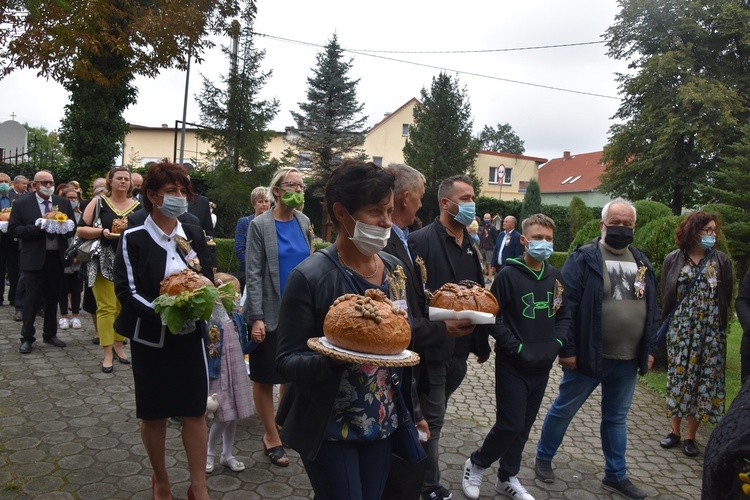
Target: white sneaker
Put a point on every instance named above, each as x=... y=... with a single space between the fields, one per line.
x=75 y=323
x=512 y=488
x=63 y=324
x=472 y=479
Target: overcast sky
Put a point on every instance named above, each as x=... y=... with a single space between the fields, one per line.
x=549 y=121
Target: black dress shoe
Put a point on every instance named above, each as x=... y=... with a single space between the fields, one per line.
x=18 y=316
x=124 y=361
x=95 y=340
x=670 y=440
x=25 y=347
x=55 y=341
x=107 y=369
x=689 y=448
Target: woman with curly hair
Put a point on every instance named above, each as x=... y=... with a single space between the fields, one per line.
x=696 y=339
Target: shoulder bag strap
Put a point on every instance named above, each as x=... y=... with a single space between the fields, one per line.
x=689 y=289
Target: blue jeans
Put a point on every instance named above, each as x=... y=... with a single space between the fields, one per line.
x=618 y=384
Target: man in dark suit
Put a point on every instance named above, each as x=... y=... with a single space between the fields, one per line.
x=405 y=480
x=508 y=244
x=41 y=257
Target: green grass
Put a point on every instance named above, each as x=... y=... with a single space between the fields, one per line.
x=656 y=380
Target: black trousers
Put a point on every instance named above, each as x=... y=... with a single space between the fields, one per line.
x=44 y=283
x=745 y=374
x=518 y=398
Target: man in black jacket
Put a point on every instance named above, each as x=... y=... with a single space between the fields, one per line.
x=444 y=251
x=407 y=199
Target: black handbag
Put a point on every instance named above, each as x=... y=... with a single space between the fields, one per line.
x=85 y=250
x=406 y=443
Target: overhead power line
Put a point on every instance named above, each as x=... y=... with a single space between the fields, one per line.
x=443 y=68
x=512 y=49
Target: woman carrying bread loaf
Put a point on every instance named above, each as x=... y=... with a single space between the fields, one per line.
x=170 y=371
x=340 y=416
x=113 y=205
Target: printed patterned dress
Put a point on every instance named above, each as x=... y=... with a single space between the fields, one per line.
x=696 y=350
x=232 y=386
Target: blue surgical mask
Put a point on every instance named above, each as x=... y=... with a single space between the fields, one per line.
x=74 y=204
x=466 y=212
x=4 y=187
x=174 y=206
x=540 y=250
x=708 y=241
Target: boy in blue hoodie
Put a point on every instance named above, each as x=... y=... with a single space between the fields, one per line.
x=531 y=328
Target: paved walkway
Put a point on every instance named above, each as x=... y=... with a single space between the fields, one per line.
x=69 y=431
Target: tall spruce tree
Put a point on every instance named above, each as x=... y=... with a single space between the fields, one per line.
x=731 y=184
x=329 y=126
x=532 y=200
x=235 y=117
x=236 y=121
x=440 y=142
x=683 y=100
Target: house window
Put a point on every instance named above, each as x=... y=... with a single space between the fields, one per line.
x=522 y=186
x=378 y=160
x=304 y=161
x=508 y=176
x=493 y=175
x=405 y=130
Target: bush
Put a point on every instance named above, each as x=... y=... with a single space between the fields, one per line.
x=225 y=258
x=559 y=214
x=578 y=216
x=656 y=240
x=647 y=211
x=558 y=259
x=587 y=233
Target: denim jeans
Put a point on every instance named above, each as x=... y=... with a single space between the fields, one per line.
x=618 y=384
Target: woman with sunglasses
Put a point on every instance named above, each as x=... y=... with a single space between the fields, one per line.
x=277 y=241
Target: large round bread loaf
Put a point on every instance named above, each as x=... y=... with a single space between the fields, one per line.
x=370 y=324
x=462 y=297
x=119 y=225
x=184 y=281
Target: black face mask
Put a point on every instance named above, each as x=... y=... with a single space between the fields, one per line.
x=618 y=237
x=136 y=192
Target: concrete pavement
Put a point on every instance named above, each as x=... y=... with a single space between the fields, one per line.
x=68 y=431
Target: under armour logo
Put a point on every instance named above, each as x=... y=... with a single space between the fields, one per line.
x=533 y=305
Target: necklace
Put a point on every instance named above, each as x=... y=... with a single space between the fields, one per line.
x=377 y=267
x=456 y=236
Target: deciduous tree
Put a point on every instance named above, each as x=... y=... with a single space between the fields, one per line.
x=501 y=140
x=440 y=142
x=683 y=100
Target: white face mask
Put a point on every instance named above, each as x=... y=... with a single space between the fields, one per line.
x=46 y=191
x=367 y=238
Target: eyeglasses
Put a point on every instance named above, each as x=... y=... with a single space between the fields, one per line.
x=46 y=183
x=709 y=230
x=294 y=185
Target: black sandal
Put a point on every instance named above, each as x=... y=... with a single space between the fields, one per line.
x=277 y=454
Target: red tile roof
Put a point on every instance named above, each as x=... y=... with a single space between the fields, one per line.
x=571 y=173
